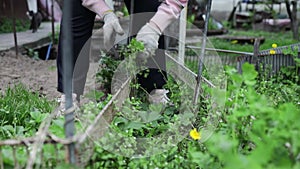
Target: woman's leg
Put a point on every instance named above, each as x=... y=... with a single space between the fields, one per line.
x=144 y=10
x=82 y=27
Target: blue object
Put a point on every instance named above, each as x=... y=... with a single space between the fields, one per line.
x=48 y=51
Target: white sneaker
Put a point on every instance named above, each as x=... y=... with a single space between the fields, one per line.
x=157 y=96
x=62 y=106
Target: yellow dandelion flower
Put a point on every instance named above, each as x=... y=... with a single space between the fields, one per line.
x=195 y=134
x=274 y=45
x=272 y=52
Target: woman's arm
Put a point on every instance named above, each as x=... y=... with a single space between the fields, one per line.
x=97 y=6
x=167 y=12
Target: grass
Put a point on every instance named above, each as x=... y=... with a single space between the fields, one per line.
x=6 y=25
x=21 y=111
x=281 y=39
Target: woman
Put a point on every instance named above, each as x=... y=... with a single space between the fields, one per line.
x=156 y=16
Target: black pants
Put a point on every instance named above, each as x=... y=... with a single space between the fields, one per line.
x=82 y=26
x=143 y=11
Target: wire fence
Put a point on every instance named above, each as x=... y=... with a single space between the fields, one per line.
x=270 y=60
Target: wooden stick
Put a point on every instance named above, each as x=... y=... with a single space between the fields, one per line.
x=27 y=141
x=255 y=51
x=14 y=26
x=1 y=160
x=15 y=157
x=39 y=139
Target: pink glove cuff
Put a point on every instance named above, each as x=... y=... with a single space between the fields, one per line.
x=162 y=20
x=97 y=6
x=167 y=12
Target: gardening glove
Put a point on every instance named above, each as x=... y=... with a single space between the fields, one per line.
x=149 y=35
x=110 y=29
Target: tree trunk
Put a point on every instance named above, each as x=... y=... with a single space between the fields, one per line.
x=293 y=17
x=288 y=10
x=295 y=25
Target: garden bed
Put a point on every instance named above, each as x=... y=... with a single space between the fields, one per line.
x=257 y=120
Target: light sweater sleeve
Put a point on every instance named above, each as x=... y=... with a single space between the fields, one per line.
x=97 y=6
x=167 y=12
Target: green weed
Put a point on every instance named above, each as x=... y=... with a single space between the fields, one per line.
x=22 y=111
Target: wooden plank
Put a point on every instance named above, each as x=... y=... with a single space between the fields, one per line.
x=255 y=51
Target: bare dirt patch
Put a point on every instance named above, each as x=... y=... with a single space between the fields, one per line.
x=37 y=75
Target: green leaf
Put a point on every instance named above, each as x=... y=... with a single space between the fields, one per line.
x=263 y=152
x=57 y=127
x=126 y=110
x=38 y=116
x=135 y=125
x=157 y=108
x=237 y=79
x=95 y=95
x=8 y=128
x=249 y=73
x=119 y=120
x=64 y=165
x=219 y=96
x=20 y=130
x=287 y=113
x=149 y=116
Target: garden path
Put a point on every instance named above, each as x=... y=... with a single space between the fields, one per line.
x=25 y=37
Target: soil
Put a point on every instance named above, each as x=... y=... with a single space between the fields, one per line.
x=37 y=75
